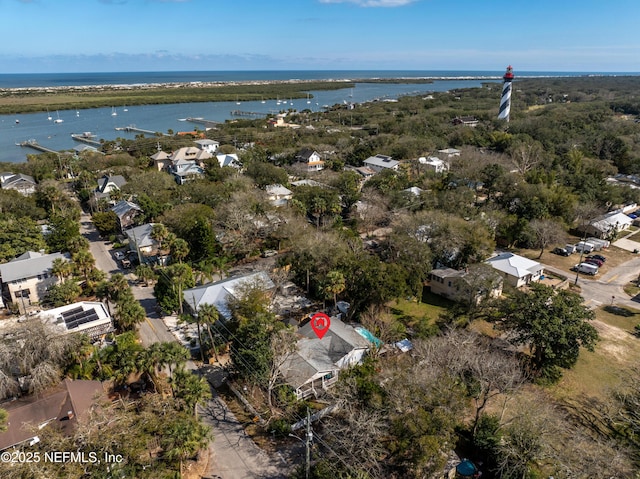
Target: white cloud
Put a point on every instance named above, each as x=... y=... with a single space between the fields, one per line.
x=373 y=3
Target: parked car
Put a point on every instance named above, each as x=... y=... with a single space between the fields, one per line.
x=119 y=255
x=126 y=264
x=268 y=253
x=560 y=251
x=597 y=262
x=598 y=257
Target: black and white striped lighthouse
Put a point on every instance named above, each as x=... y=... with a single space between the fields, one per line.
x=505 y=100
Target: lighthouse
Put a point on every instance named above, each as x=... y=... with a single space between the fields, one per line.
x=505 y=100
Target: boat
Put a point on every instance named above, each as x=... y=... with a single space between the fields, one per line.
x=77 y=112
x=49 y=115
x=58 y=120
x=17 y=121
x=113 y=111
x=238 y=101
x=125 y=109
x=308 y=100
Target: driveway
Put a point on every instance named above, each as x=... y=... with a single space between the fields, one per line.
x=99 y=248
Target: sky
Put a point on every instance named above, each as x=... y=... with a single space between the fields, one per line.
x=61 y=36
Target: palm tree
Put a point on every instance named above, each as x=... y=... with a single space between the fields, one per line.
x=129 y=313
x=159 y=233
x=84 y=262
x=179 y=249
x=61 y=268
x=190 y=388
x=145 y=273
x=172 y=353
x=183 y=438
x=209 y=315
x=335 y=284
x=180 y=274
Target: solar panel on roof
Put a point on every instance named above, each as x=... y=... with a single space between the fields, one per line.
x=72 y=312
x=78 y=316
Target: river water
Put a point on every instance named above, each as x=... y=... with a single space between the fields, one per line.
x=161 y=118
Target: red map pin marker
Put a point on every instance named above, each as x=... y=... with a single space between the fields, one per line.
x=320 y=323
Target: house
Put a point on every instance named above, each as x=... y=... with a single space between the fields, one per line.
x=365 y=172
x=23 y=184
x=161 y=160
x=381 y=162
x=187 y=163
x=86 y=317
x=456 y=285
x=109 y=183
x=63 y=407
x=449 y=152
x=316 y=363
x=141 y=240
x=278 y=195
x=229 y=160
x=208 y=145
x=434 y=163
x=126 y=212
x=516 y=270
x=465 y=120
x=26 y=279
x=309 y=160
x=218 y=294
x=607 y=225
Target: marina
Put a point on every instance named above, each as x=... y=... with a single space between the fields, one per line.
x=50 y=136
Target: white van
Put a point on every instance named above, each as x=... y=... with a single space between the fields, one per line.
x=585 y=247
x=587 y=268
x=571 y=248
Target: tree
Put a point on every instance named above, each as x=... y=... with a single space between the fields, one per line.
x=63 y=293
x=554 y=324
x=179 y=249
x=129 y=313
x=334 y=284
x=105 y=222
x=348 y=185
x=189 y=388
x=159 y=233
x=61 y=268
x=546 y=232
x=209 y=315
x=283 y=343
x=84 y=263
x=171 y=282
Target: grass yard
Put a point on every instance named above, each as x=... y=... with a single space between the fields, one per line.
x=597 y=373
x=422 y=314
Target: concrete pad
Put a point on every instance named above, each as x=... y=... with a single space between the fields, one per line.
x=627 y=244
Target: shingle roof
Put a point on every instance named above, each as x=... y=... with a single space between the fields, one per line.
x=141 y=235
x=122 y=207
x=117 y=180
x=28 y=265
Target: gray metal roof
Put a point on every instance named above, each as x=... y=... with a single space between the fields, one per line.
x=123 y=207
x=28 y=265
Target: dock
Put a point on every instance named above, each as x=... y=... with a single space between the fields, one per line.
x=86 y=137
x=133 y=128
x=36 y=146
x=202 y=121
x=247 y=113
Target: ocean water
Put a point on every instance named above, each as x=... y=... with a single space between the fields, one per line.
x=101 y=122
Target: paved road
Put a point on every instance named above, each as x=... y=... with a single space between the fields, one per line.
x=607 y=288
x=233 y=455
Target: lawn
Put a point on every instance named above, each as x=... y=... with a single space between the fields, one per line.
x=599 y=372
x=424 y=313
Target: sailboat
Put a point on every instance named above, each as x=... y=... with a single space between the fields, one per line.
x=113 y=111
x=49 y=115
x=58 y=120
x=125 y=109
x=263 y=102
x=77 y=112
x=308 y=100
x=238 y=101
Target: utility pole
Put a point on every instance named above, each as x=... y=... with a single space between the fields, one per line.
x=308 y=445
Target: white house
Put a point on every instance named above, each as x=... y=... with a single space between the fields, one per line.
x=309 y=160
x=24 y=184
x=316 y=364
x=141 y=240
x=26 y=278
x=218 y=294
x=228 y=160
x=278 y=195
x=516 y=270
x=87 y=317
x=210 y=146
x=381 y=162
x=607 y=225
x=434 y=163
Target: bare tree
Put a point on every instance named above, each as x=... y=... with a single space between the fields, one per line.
x=547 y=232
x=526 y=155
x=283 y=345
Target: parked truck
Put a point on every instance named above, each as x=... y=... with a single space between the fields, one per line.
x=586 y=268
x=585 y=247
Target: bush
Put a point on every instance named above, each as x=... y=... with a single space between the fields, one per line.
x=280 y=427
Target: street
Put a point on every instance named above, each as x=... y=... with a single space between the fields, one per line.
x=232 y=454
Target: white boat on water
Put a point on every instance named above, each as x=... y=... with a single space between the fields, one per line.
x=49 y=117
x=58 y=120
x=113 y=111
